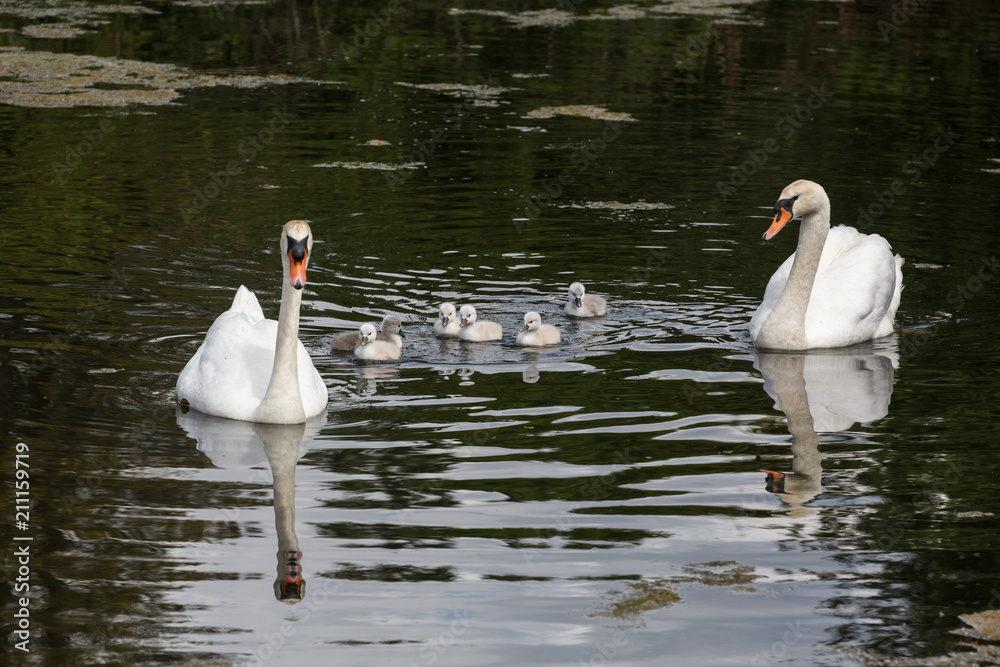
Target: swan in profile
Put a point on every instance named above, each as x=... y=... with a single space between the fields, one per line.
x=581 y=304
x=346 y=342
x=534 y=333
x=839 y=287
x=447 y=325
x=253 y=369
x=477 y=331
x=370 y=348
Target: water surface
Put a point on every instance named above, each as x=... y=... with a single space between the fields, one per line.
x=597 y=502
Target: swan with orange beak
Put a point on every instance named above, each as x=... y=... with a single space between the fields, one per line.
x=838 y=288
x=254 y=369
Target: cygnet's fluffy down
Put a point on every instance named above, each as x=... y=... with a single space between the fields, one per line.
x=477 y=331
x=581 y=304
x=447 y=325
x=372 y=349
x=346 y=342
x=534 y=333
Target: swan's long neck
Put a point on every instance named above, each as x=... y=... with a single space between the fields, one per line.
x=282 y=402
x=786 y=325
x=281 y=444
x=786 y=373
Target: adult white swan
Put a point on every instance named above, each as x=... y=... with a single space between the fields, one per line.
x=839 y=287
x=254 y=369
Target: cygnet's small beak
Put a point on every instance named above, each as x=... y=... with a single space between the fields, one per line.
x=578 y=301
x=523 y=328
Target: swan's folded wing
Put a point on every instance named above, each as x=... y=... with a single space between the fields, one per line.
x=228 y=375
x=853 y=290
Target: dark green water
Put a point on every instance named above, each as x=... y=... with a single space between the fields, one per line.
x=598 y=502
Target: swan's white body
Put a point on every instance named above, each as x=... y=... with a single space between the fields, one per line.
x=581 y=304
x=534 y=333
x=839 y=287
x=447 y=325
x=254 y=369
x=346 y=342
x=477 y=331
x=370 y=348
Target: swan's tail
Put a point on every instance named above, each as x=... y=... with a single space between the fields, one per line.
x=245 y=302
x=894 y=304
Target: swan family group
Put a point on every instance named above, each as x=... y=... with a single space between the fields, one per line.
x=386 y=344
x=839 y=287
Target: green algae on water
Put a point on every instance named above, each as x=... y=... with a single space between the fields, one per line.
x=377 y=166
x=480 y=95
x=620 y=206
x=581 y=111
x=729 y=11
x=42 y=79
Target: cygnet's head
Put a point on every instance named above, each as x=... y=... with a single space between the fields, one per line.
x=391 y=325
x=447 y=313
x=532 y=321
x=798 y=199
x=367 y=333
x=576 y=293
x=468 y=315
x=296 y=246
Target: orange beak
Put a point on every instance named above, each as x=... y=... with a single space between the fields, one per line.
x=292 y=587
x=775 y=481
x=781 y=218
x=297 y=270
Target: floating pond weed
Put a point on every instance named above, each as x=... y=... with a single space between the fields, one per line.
x=42 y=79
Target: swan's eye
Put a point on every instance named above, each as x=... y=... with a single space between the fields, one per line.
x=786 y=204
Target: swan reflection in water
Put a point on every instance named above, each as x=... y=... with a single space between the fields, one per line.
x=237 y=444
x=369 y=375
x=824 y=391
